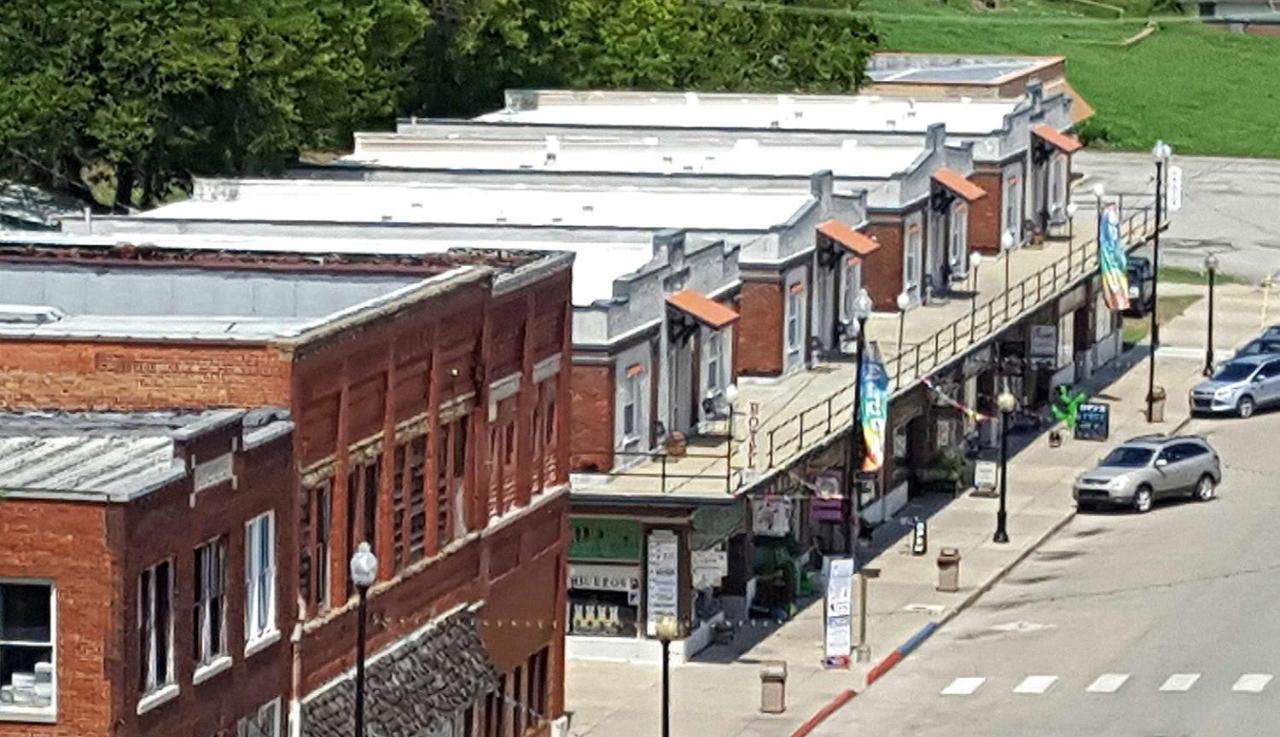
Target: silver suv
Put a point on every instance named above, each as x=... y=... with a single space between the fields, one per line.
x=1148 y=468
x=1240 y=386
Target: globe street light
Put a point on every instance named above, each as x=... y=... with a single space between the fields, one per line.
x=861 y=311
x=1211 y=268
x=975 y=261
x=364 y=570
x=1006 y=402
x=1160 y=153
x=667 y=629
x=1006 y=242
x=904 y=304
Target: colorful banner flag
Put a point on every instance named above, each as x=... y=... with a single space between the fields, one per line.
x=1112 y=261
x=875 y=408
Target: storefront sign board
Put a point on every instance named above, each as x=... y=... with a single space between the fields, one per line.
x=663 y=581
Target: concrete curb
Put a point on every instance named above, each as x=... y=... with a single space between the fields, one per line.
x=825 y=712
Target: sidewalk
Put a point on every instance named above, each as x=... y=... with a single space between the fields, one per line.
x=717 y=695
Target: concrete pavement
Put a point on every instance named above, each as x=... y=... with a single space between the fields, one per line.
x=1122 y=625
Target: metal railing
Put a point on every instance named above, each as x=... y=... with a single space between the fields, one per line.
x=809 y=427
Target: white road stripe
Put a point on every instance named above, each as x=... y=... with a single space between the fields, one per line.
x=1108 y=683
x=1035 y=684
x=963 y=686
x=1252 y=682
x=1180 y=682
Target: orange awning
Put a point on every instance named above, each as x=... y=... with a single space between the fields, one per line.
x=956 y=182
x=703 y=309
x=1067 y=144
x=860 y=244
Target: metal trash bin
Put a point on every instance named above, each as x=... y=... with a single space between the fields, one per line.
x=1157 y=399
x=949 y=570
x=773 y=687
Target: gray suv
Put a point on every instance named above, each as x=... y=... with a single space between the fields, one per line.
x=1148 y=468
x=1240 y=386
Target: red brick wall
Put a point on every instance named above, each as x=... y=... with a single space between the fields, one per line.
x=164 y=524
x=69 y=543
x=140 y=376
x=984 y=215
x=759 y=342
x=591 y=392
x=882 y=270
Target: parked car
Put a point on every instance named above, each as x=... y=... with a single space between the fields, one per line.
x=1141 y=287
x=1241 y=386
x=1271 y=333
x=1148 y=468
x=1260 y=346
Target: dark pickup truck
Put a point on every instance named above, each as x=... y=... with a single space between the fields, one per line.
x=1141 y=286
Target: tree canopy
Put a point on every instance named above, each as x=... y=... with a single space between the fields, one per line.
x=126 y=100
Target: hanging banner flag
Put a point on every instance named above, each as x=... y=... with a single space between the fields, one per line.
x=972 y=413
x=1112 y=261
x=875 y=408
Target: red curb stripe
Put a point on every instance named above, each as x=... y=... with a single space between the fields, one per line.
x=883 y=667
x=821 y=715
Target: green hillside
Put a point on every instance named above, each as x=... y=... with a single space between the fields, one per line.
x=1204 y=90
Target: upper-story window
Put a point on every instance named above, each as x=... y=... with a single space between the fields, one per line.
x=265 y=722
x=27 y=682
x=260 y=579
x=715 y=360
x=208 y=618
x=795 y=303
x=1012 y=207
x=631 y=393
x=155 y=627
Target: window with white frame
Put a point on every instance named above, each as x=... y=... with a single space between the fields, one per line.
x=1057 y=182
x=911 y=272
x=1012 y=207
x=959 y=231
x=260 y=578
x=631 y=388
x=795 y=303
x=155 y=627
x=715 y=360
x=850 y=282
x=208 y=618
x=27 y=683
x=265 y=722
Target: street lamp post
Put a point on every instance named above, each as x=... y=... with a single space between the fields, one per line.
x=975 y=261
x=861 y=311
x=364 y=570
x=668 y=629
x=1072 y=209
x=1006 y=403
x=1211 y=268
x=1006 y=242
x=904 y=304
x=1161 y=153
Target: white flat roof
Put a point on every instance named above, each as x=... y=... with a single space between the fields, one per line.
x=740 y=208
x=795 y=112
x=639 y=154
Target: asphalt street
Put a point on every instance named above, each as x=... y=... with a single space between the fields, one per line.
x=1121 y=624
x=1228 y=207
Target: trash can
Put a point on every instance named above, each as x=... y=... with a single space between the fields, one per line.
x=1157 y=398
x=773 y=687
x=949 y=570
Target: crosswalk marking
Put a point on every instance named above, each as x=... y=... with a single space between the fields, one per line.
x=963 y=686
x=1180 y=682
x=1252 y=682
x=1035 y=684
x=1108 y=683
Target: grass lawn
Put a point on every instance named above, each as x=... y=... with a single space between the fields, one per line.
x=1182 y=275
x=1205 y=91
x=1167 y=308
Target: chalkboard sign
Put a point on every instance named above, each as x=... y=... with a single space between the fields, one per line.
x=1093 y=421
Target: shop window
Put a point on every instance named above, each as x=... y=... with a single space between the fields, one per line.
x=260 y=579
x=155 y=627
x=536 y=688
x=27 y=682
x=208 y=618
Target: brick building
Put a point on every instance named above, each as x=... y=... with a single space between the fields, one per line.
x=417 y=404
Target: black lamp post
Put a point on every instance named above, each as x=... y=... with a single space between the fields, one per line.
x=1161 y=153
x=1006 y=403
x=861 y=311
x=668 y=629
x=1072 y=208
x=975 y=263
x=364 y=570
x=1007 y=242
x=1211 y=268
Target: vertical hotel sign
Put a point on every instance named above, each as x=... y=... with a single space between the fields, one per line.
x=875 y=408
x=1112 y=261
x=663 y=579
x=839 y=635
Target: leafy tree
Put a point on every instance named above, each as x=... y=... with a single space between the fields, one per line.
x=132 y=96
